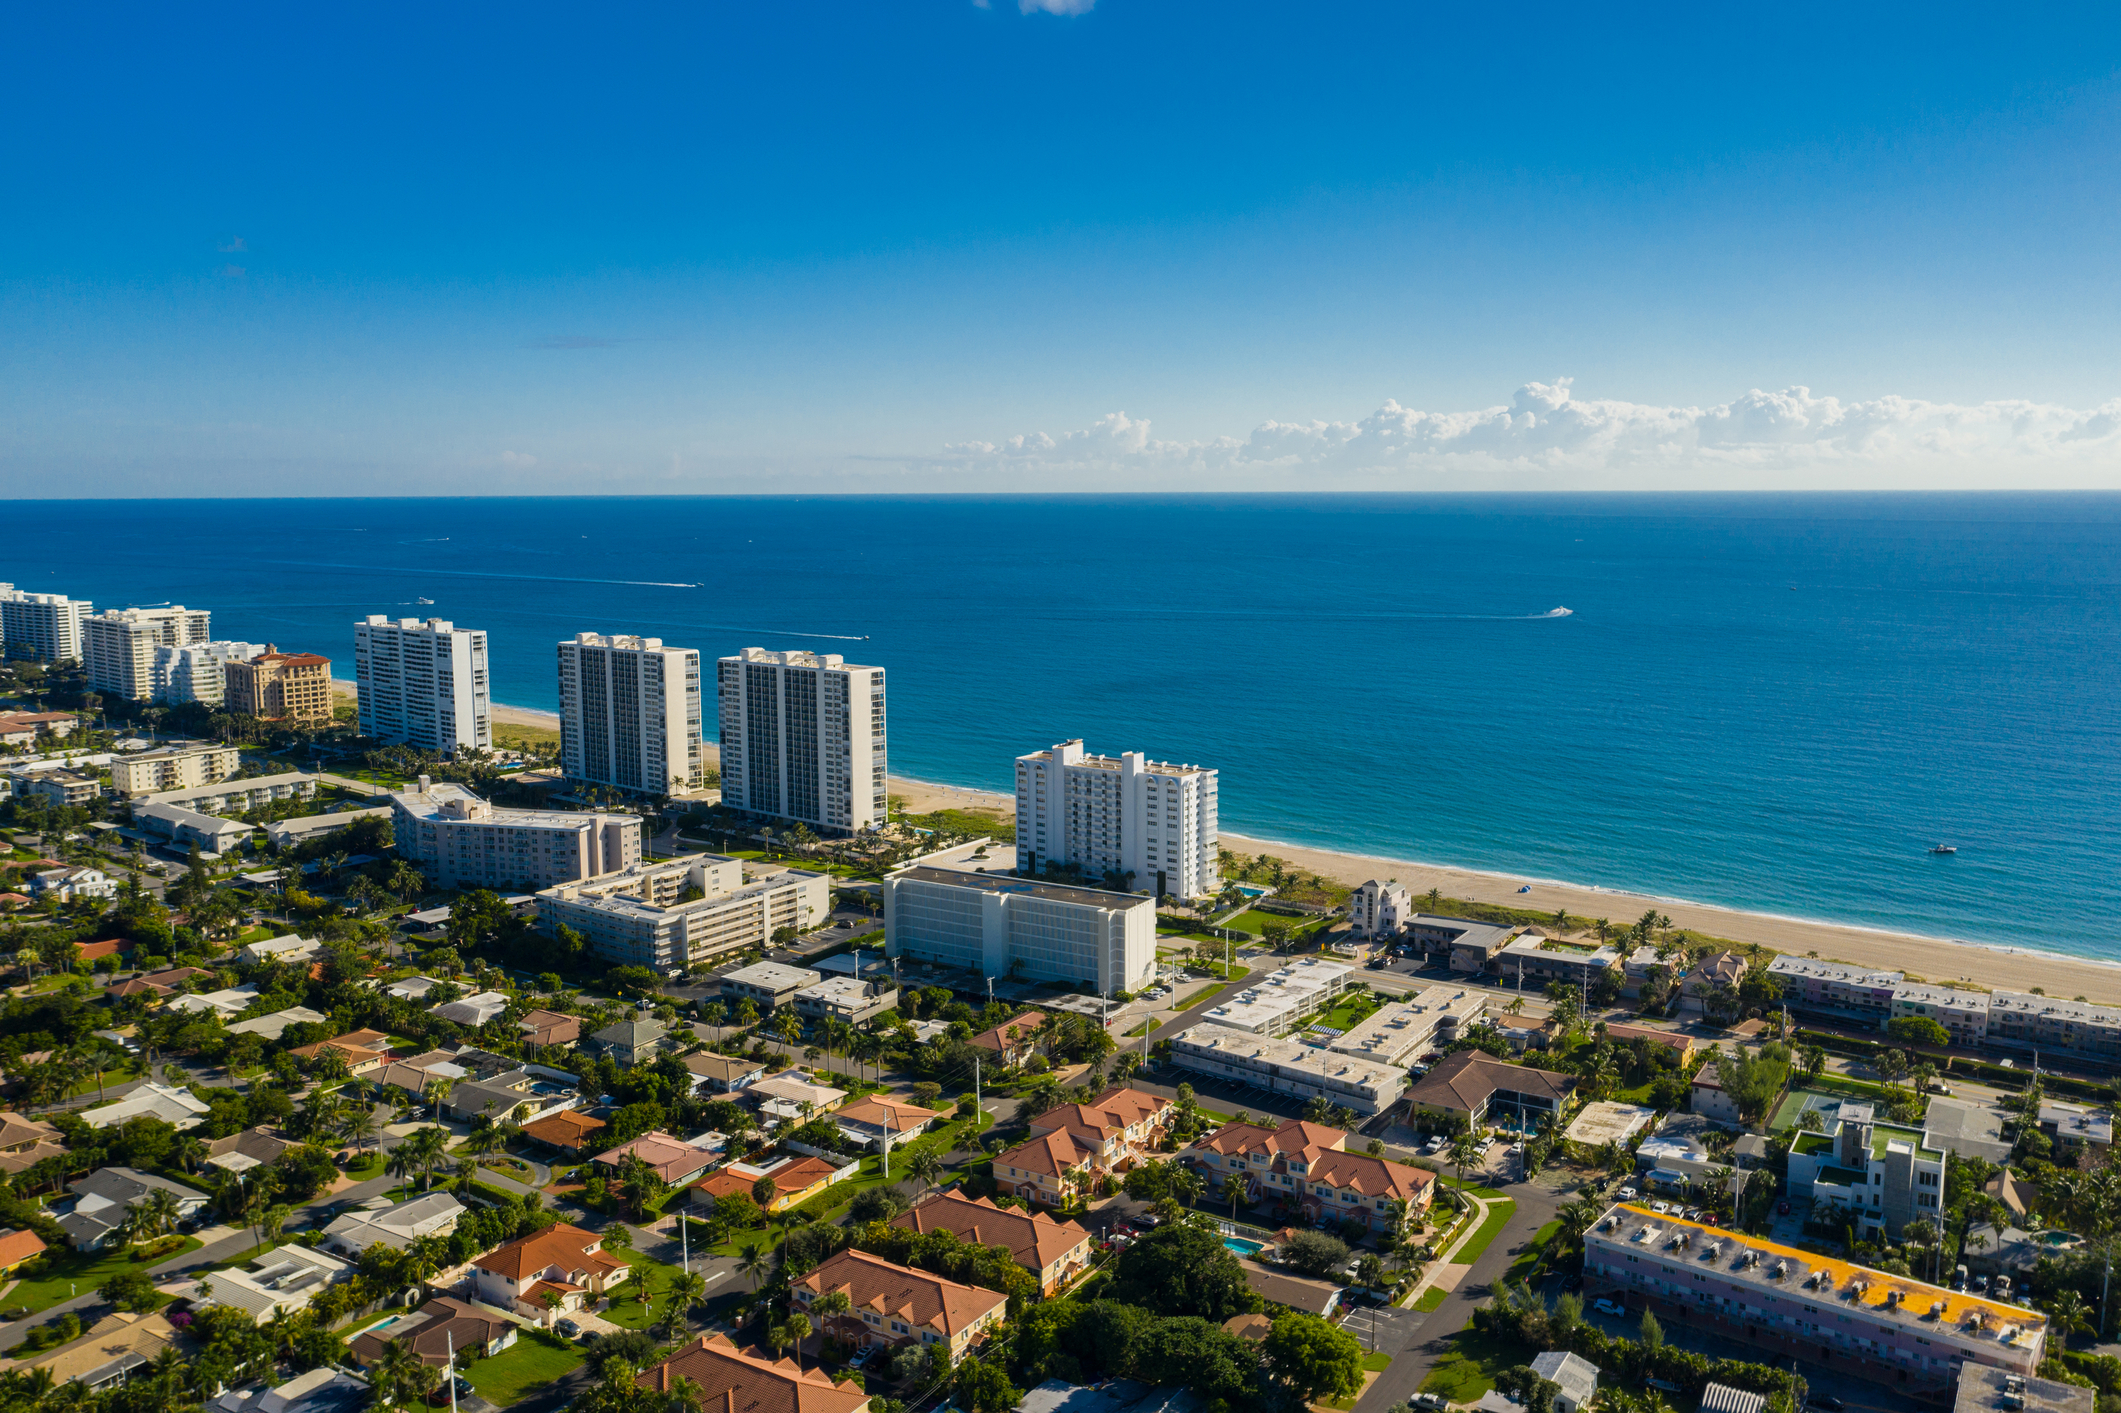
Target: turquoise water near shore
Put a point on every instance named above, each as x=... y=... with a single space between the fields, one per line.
x=1767 y=702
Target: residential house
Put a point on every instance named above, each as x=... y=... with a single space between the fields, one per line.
x=1075 y=1143
x=795 y=1180
x=359 y=1050
x=718 y=1074
x=24 y=1143
x=879 y=1118
x=1723 y=972
x=69 y=883
x=322 y=1390
x=442 y=1330
x=175 y=1107
x=472 y=1011
x=1054 y=1252
x=513 y=1096
x=1881 y=1176
x=630 y=1042
x=1706 y=1096
x=396 y=1226
x=1482 y=1089
x=116 y=1348
x=1013 y=1042
x=103 y=1200
x=674 y=1160
x=1575 y=1378
x=546 y=1029
x=784 y=1096
x=280 y=1282
x=18 y=1248
x=1678 y=1047
x=93 y=952
x=729 y=1378
x=893 y=1305
x=247 y=1149
x=568 y=1130
x=273 y=1026
x=1308 y=1165
x=227 y=1003
x=1379 y=909
x=2072 y=1126
x=562 y=1261
x=412 y=988
x=280 y=949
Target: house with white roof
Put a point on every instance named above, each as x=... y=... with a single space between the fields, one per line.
x=280 y=1282
x=279 y=949
x=175 y=1107
x=473 y=1010
x=229 y=1003
x=273 y=1026
x=395 y=1225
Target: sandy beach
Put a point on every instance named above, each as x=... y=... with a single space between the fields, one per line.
x=1933 y=959
x=514 y=716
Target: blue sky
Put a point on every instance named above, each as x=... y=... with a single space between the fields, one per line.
x=867 y=245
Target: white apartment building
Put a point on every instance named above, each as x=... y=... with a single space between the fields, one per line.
x=423 y=683
x=1835 y=988
x=803 y=738
x=120 y=644
x=2024 y=1021
x=1275 y=1003
x=648 y=914
x=994 y=924
x=197 y=672
x=460 y=841
x=1801 y=1305
x=1379 y=909
x=236 y=796
x=42 y=627
x=1398 y=1032
x=1290 y=1067
x=1880 y=1176
x=1152 y=822
x=1963 y=1013
x=630 y=713
x=177 y=768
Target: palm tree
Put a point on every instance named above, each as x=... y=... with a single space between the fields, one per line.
x=688 y=1291
x=358 y=1127
x=753 y=1264
x=925 y=1166
x=798 y=1331
x=2069 y=1312
x=1577 y=1218
x=1813 y=1058
x=1465 y=1148
x=1186 y=1185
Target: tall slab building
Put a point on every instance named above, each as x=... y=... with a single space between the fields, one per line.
x=1150 y=821
x=119 y=645
x=803 y=738
x=630 y=713
x=423 y=683
x=42 y=627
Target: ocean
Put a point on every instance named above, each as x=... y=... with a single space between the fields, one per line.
x=1770 y=702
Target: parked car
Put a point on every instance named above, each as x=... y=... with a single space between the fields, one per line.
x=1149 y=1221
x=1709 y=1219
x=1827 y=1401
x=1662 y=1209
x=1574 y=1282
x=569 y=1328
x=1692 y=1214
x=1431 y=1400
x=1605 y=1306
x=1628 y=1194
x=862 y=1356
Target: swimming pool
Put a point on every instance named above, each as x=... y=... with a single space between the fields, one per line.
x=1243 y=1247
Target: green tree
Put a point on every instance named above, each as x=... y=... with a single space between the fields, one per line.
x=1315 y=1359
x=985 y=1387
x=1651 y=1333
x=1918 y=1030
x=1184 y=1270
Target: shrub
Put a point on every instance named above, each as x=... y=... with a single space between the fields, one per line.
x=1314 y=1253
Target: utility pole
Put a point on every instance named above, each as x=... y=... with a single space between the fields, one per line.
x=977 y=1108
x=449 y=1370
x=685 y=1242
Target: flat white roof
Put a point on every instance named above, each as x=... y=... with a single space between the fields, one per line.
x=772 y=976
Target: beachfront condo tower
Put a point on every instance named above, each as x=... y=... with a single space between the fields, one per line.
x=42 y=627
x=1147 y=822
x=423 y=684
x=120 y=646
x=630 y=713
x=803 y=738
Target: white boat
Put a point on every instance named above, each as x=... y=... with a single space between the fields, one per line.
x=423 y=600
x=1945 y=849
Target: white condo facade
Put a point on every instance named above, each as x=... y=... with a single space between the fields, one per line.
x=995 y=924
x=120 y=644
x=1379 y=909
x=630 y=713
x=692 y=911
x=177 y=768
x=197 y=672
x=1150 y=821
x=42 y=627
x=423 y=683
x=460 y=841
x=803 y=738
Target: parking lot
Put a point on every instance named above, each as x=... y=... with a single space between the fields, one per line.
x=1379 y=1326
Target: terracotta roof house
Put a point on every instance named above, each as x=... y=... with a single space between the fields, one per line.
x=893 y=1305
x=795 y=1181
x=138 y=986
x=438 y=1328
x=17 y=1247
x=360 y=1050
x=870 y=1119
x=1479 y=1087
x=93 y=951
x=567 y=1130
x=1014 y=1040
x=675 y=1161
x=1075 y=1142
x=549 y=1028
x=732 y=1380
x=26 y=1142
x=1681 y=1046
x=1053 y=1251
x=562 y=1260
x=1308 y=1165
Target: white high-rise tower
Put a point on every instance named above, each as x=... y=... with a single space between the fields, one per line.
x=423 y=684
x=1148 y=821
x=119 y=645
x=42 y=627
x=803 y=738
x=630 y=713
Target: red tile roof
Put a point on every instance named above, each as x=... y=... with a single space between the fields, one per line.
x=1034 y=1239
x=89 y=951
x=1011 y=1034
x=732 y=1380
x=567 y=1247
x=916 y=1297
x=18 y=1246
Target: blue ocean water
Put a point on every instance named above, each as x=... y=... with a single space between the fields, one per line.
x=1767 y=702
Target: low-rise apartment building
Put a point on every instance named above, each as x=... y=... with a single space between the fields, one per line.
x=1399 y=1032
x=2023 y=1021
x=1535 y=959
x=236 y=796
x=895 y=1305
x=1379 y=909
x=1276 y=1003
x=845 y=999
x=1963 y=1013
x=184 y=828
x=1836 y=989
x=174 y=768
x=61 y=787
x=768 y=985
x=1288 y=1067
x=1800 y=1305
x=1308 y=1165
x=1480 y=1089
x=997 y=924
x=1054 y=1252
x=1471 y=945
x=1072 y=1146
x=1880 y=1176
x=460 y=841
x=277 y=686
x=694 y=911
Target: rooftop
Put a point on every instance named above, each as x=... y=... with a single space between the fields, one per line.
x=1027 y=887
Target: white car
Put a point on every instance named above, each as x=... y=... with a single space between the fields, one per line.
x=1608 y=1307
x=1628 y=1194
x=1661 y=1208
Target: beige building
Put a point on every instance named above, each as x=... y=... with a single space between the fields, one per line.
x=687 y=912
x=178 y=768
x=895 y=1305
x=120 y=646
x=277 y=686
x=460 y=841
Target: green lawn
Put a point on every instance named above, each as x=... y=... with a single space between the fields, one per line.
x=1147 y=1027
x=1431 y=1298
x=536 y=1358
x=1192 y=998
x=1529 y=1257
x=1254 y=921
x=1469 y=1369
x=69 y=1273
x=632 y=1312
x=1499 y=1214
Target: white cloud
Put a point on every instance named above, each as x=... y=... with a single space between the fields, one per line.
x=518 y=460
x=1546 y=437
x=1055 y=7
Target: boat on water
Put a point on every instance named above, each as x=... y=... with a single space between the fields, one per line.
x=1945 y=849
x=423 y=600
